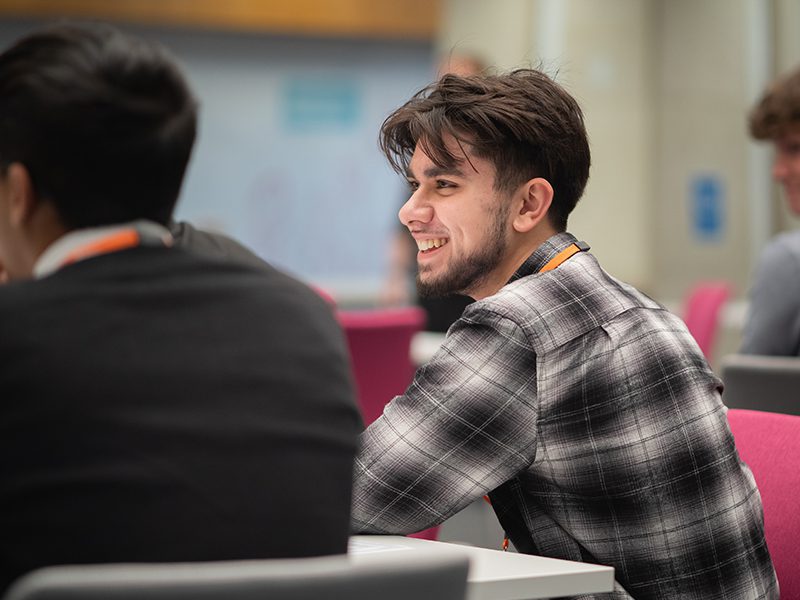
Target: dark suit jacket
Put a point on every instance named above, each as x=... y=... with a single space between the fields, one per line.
x=212 y=244
x=156 y=405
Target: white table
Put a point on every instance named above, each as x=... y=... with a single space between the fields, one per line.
x=494 y=575
x=424 y=345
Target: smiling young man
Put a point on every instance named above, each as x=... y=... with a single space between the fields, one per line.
x=773 y=324
x=581 y=407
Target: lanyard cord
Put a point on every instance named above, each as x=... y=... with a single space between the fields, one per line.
x=128 y=238
x=121 y=240
x=144 y=234
x=565 y=254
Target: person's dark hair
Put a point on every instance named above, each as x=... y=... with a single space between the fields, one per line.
x=778 y=109
x=523 y=122
x=103 y=122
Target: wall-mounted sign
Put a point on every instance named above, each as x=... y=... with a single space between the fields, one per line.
x=321 y=104
x=707 y=207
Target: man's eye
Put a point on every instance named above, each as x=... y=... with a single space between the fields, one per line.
x=444 y=184
x=413 y=186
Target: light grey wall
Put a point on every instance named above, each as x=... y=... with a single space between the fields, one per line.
x=787 y=42
x=607 y=59
x=497 y=30
x=701 y=134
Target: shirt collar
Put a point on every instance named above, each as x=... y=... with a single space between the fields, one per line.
x=56 y=253
x=542 y=255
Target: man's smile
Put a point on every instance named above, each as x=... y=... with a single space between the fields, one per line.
x=428 y=245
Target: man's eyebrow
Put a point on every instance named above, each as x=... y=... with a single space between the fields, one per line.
x=437 y=171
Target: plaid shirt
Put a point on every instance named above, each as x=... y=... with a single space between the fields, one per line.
x=589 y=415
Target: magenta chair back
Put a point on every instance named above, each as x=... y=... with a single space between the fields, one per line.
x=770 y=445
x=379 y=341
x=702 y=310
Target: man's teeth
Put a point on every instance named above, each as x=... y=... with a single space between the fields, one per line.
x=424 y=245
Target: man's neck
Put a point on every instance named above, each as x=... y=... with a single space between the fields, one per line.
x=35 y=236
x=517 y=253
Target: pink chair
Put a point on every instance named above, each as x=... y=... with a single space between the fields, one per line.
x=701 y=312
x=770 y=445
x=379 y=341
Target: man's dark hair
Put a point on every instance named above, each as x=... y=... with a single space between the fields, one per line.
x=779 y=108
x=523 y=122
x=103 y=122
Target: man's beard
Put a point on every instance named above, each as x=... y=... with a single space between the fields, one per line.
x=467 y=273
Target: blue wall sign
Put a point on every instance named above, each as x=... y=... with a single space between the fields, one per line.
x=311 y=105
x=707 y=207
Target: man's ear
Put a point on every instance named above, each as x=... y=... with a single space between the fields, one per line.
x=532 y=204
x=21 y=195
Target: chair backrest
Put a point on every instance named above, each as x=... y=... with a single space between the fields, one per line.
x=380 y=350
x=701 y=312
x=768 y=383
x=379 y=341
x=770 y=445
x=423 y=577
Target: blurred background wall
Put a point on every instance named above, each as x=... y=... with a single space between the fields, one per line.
x=293 y=94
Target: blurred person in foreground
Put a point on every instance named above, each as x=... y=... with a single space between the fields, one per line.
x=773 y=323
x=440 y=311
x=581 y=407
x=158 y=405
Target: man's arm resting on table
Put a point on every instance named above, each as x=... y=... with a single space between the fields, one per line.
x=465 y=425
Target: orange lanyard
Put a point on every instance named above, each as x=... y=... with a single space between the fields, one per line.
x=127 y=238
x=565 y=254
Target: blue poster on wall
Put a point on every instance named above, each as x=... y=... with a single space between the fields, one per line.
x=707 y=207
x=320 y=104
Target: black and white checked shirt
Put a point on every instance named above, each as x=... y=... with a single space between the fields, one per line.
x=589 y=415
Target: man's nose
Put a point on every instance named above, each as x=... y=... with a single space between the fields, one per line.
x=416 y=209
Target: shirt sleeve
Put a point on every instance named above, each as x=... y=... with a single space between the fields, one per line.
x=773 y=322
x=465 y=425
